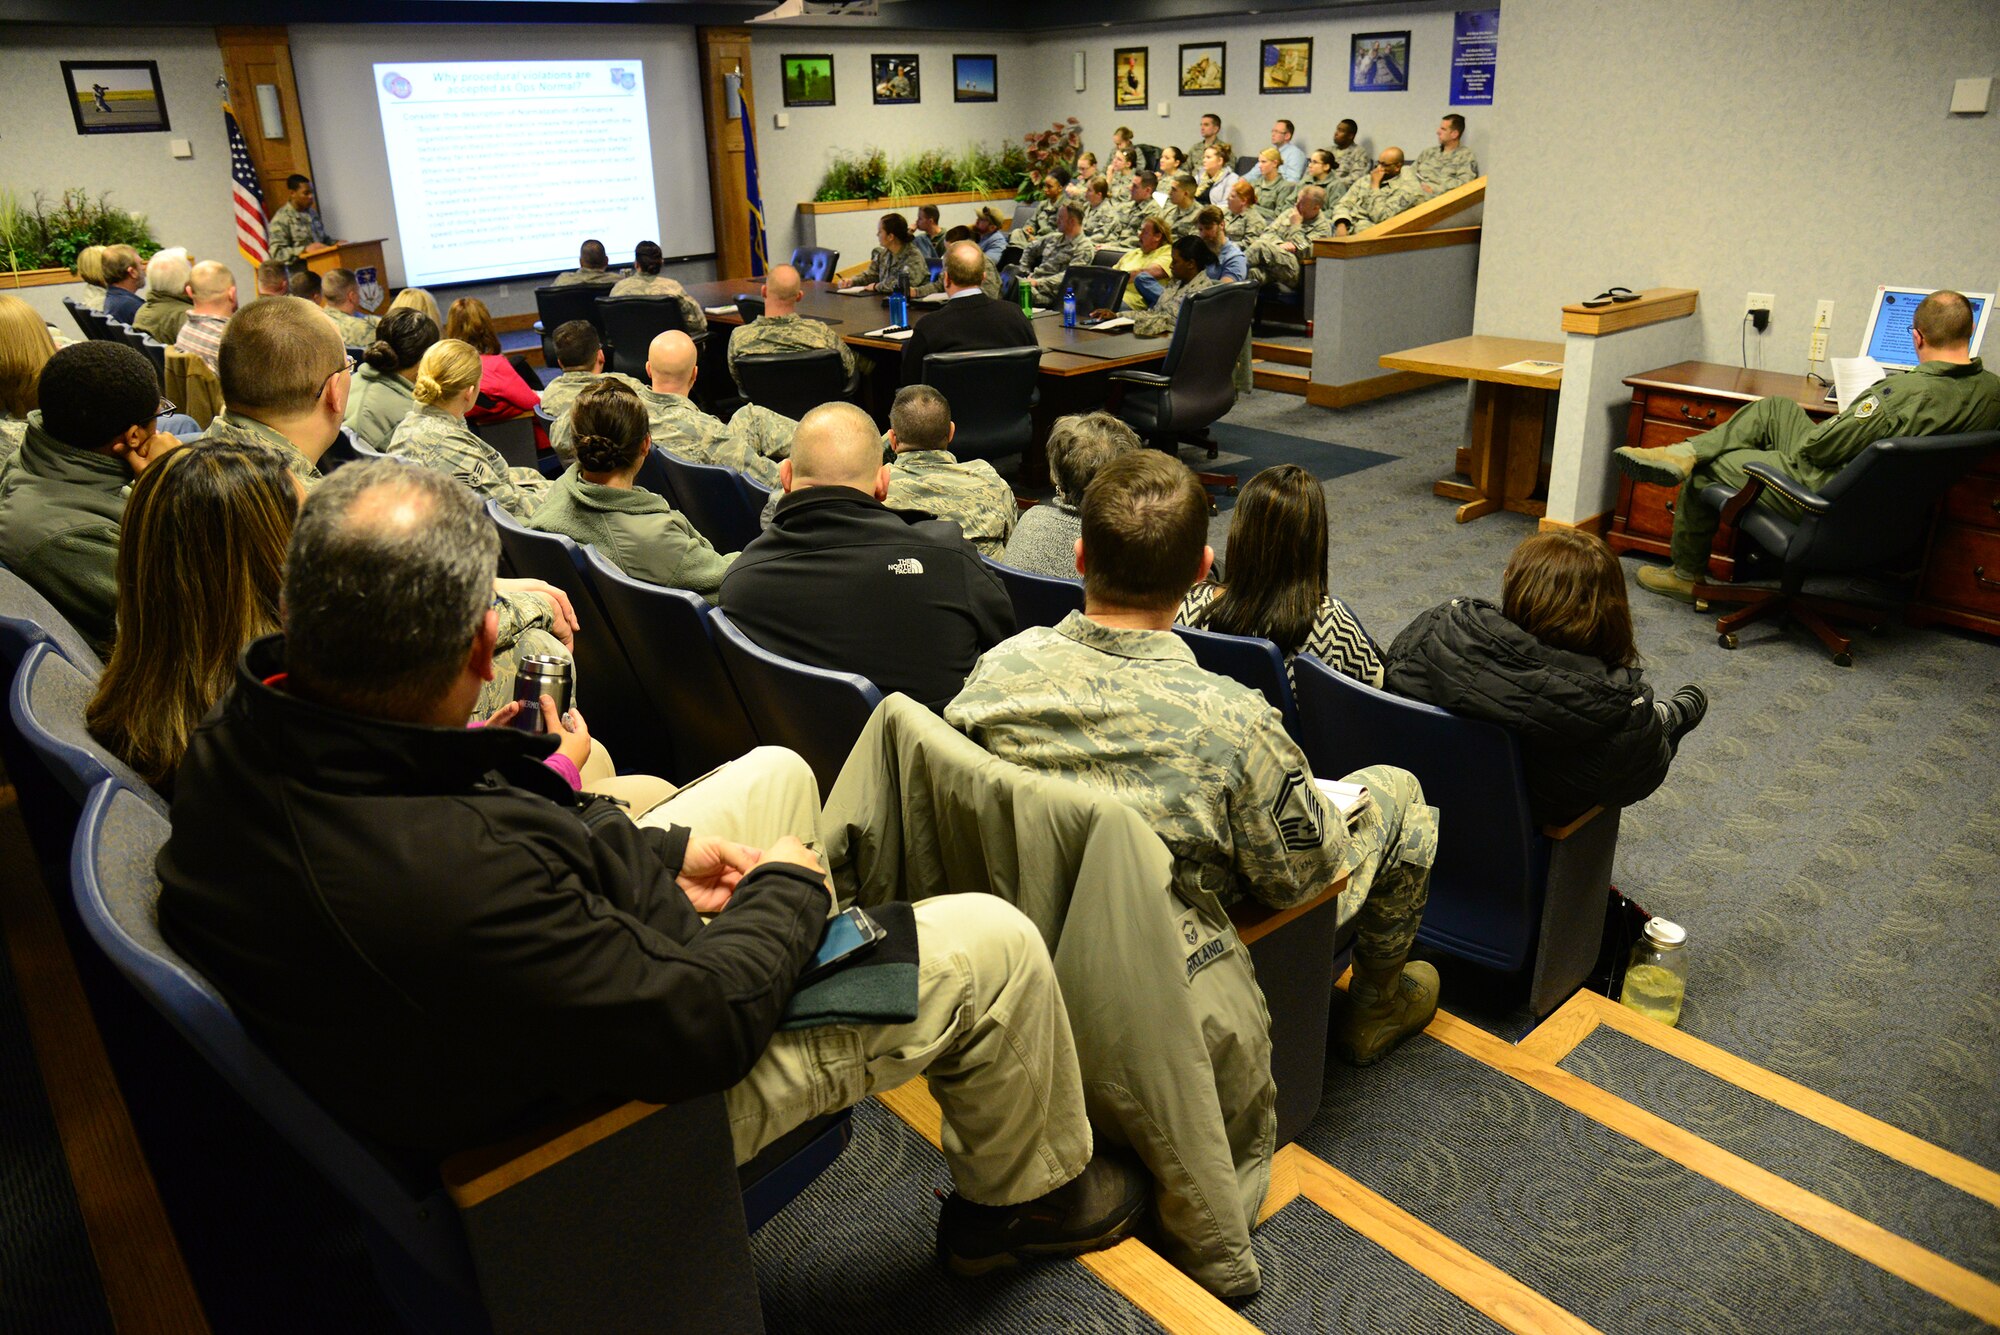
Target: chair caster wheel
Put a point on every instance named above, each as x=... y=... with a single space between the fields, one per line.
x=1843 y=660
x=1727 y=640
x=1701 y=605
x=1229 y=490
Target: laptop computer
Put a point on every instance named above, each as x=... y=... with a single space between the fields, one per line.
x=1885 y=339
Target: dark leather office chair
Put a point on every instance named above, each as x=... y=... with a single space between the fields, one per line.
x=815 y=264
x=749 y=307
x=992 y=393
x=1039 y=600
x=1245 y=164
x=1196 y=384
x=814 y=711
x=1149 y=157
x=156 y=353
x=630 y=324
x=1023 y=215
x=1872 y=513
x=1249 y=659
x=1098 y=287
x=712 y=500
x=99 y=325
x=1010 y=256
x=557 y=306
x=792 y=383
x=513 y=439
x=1107 y=257
x=1010 y=284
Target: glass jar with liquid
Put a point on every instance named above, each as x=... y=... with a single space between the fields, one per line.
x=1656 y=978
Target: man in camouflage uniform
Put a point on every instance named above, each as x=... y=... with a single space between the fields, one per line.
x=782 y=329
x=1378 y=196
x=1349 y=160
x=295 y=228
x=1182 y=207
x=1450 y=164
x=648 y=281
x=1105 y=219
x=928 y=477
x=593 y=266
x=580 y=354
x=343 y=302
x=1211 y=135
x=1111 y=698
x=278 y=397
x=1043 y=224
x=1275 y=254
x=1068 y=246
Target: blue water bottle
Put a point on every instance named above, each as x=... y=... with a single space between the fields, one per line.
x=899 y=308
x=1069 y=308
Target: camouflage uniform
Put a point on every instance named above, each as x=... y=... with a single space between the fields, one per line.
x=1182 y=222
x=1438 y=171
x=989 y=282
x=1043 y=224
x=356 y=331
x=1270 y=262
x=1366 y=203
x=971 y=495
x=559 y=395
x=1208 y=763
x=436 y=439
x=786 y=333
x=601 y=277
x=752 y=441
x=291 y=231
x=1350 y=164
x=1275 y=196
x=905 y=269
x=1058 y=255
x=1245 y=227
x=1112 y=223
x=1159 y=318
x=235 y=429
x=524 y=621
x=693 y=318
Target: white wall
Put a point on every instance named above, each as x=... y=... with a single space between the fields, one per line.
x=185 y=199
x=1788 y=147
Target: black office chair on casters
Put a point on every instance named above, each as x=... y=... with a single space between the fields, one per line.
x=792 y=383
x=630 y=324
x=815 y=264
x=992 y=393
x=1871 y=514
x=1196 y=384
x=557 y=306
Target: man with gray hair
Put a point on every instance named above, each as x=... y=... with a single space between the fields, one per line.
x=841 y=581
x=927 y=477
x=782 y=329
x=443 y=940
x=342 y=297
x=1045 y=538
x=213 y=291
x=167 y=302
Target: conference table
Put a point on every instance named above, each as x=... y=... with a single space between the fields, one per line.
x=1076 y=363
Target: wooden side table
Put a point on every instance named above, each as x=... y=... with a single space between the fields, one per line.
x=1509 y=416
x=1961 y=579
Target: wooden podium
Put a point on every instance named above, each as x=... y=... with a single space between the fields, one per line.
x=359 y=256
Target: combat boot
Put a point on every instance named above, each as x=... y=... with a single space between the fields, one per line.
x=1387 y=1001
x=1663 y=465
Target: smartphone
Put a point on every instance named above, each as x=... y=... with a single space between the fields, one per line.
x=847 y=935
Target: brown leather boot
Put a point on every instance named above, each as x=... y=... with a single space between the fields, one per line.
x=1387 y=1001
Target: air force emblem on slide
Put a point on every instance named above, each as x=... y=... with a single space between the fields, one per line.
x=1296 y=810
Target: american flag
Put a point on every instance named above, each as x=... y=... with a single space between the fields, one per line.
x=245 y=199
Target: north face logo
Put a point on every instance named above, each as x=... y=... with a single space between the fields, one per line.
x=908 y=565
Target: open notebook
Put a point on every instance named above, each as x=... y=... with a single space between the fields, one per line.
x=1351 y=800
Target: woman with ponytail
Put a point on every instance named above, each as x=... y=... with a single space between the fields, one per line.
x=436 y=436
x=382 y=395
x=597 y=503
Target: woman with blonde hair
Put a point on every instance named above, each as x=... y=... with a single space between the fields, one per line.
x=417 y=299
x=25 y=347
x=90 y=268
x=201 y=556
x=506 y=385
x=436 y=436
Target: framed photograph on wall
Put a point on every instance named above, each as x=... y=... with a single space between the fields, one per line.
x=808 y=80
x=1379 y=62
x=115 y=97
x=1128 y=77
x=1286 y=65
x=895 y=79
x=1202 y=69
x=975 y=79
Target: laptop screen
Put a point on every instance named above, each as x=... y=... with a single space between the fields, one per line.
x=1888 y=338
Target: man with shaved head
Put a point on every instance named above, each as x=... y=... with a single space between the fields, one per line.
x=213 y=290
x=1379 y=196
x=285 y=376
x=841 y=581
x=782 y=329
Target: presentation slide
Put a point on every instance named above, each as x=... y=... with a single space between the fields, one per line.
x=499 y=168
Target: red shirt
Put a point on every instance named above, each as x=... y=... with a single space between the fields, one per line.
x=502 y=392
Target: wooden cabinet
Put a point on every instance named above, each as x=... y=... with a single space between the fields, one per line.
x=1961 y=580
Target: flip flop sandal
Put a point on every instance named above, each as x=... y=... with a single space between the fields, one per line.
x=1609 y=295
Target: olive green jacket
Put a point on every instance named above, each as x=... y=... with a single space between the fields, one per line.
x=1936 y=399
x=636 y=530
x=60 y=509
x=376 y=403
x=1171 y=1029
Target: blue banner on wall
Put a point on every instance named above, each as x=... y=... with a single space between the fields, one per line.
x=1475 y=51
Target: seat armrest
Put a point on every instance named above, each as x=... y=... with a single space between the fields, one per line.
x=538 y=326
x=475 y=1175
x=1254 y=921
x=1565 y=831
x=1808 y=499
x=1141 y=378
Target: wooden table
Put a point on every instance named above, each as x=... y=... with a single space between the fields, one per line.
x=1076 y=363
x=1509 y=418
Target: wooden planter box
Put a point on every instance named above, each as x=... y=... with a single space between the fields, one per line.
x=903 y=201
x=36 y=278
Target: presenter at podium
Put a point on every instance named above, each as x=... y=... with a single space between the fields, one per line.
x=296 y=228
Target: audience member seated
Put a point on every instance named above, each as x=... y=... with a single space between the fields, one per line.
x=167 y=303
x=201 y=559
x=593 y=266
x=1183 y=204
x=1948 y=392
x=1556 y=665
x=1211 y=186
x=285 y=376
x=63 y=495
x=272 y=280
x=1173 y=162
x=1107 y=220
x=1112 y=699
x=1191 y=261
x=306 y=286
x=1138 y=192
x=647 y=281
x=123 y=275
x=382 y=396
x=343 y=302
x=417 y=299
x=1277 y=252
x=928 y=233
x=1277 y=585
x=1230 y=264
x=1045 y=538
x=577 y=955
x=927 y=477
x=90 y=268
x=580 y=354
x=1211 y=132
x=506 y=385
x=782 y=329
x=212 y=290
x=1081 y=174
x=990 y=230
x=435 y=434
x=895 y=265
x=1055 y=254
x=1379 y=196
x=25 y=347
x=1271 y=188
x=595 y=501
x=1055 y=187
x=989 y=280
x=841 y=581
x=1150 y=264
x=1350 y=160
x=970 y=320
x=1450 y=164
x=1291 y=157
x=752 y=441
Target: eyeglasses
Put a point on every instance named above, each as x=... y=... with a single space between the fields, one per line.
x=346 y=364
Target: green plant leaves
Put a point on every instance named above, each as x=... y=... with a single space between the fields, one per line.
x=45 y=235
x=871 y=174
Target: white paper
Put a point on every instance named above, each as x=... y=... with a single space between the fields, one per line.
x=1115 y=322
x=936 y=299
x=1853 y=377
x=1349 y=799
x=889 y=331
x=730 y=309
x=862 y=290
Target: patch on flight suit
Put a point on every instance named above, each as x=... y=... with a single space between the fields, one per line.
x=1205 y=945
x=1867 y=406
x=1296 y=811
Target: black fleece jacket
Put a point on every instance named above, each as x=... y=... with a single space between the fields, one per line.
x=439 y=940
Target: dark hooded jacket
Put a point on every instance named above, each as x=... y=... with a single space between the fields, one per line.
x=1589 y=734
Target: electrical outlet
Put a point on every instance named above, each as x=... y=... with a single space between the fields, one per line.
x=1757 y=301
x=1823 y=314
x=1816 y=346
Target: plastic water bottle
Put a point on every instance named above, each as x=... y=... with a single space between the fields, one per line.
x=1656 y=978
x=1069 y=308
x=899 y=308
x=1027 y=294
